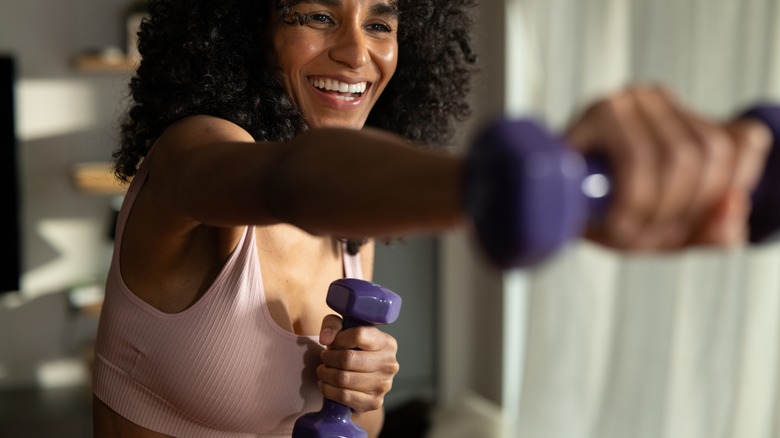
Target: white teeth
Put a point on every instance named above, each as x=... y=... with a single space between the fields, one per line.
x=341 y=87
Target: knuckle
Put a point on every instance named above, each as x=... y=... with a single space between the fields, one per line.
x=683 y=156
x=392 y=368
x=343 y=379
x=374 y=403
x=393 y=344
x=613 y=106
x=348 y=359
x=385 y=386
x=716 y=143
x=664 y=91
x=751 y=137
x=362 y=335
x=758 y=139
x=345 y=397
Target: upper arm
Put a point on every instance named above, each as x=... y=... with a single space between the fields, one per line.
x=212 y=172
x=209 y=170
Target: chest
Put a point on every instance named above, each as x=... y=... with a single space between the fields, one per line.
x=296 y=270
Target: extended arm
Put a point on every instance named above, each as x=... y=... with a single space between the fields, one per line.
x=332 y=181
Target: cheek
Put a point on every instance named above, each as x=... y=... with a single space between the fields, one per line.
x=282 y=48
x=387 y=59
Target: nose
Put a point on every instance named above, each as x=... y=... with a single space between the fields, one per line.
x=351 y=46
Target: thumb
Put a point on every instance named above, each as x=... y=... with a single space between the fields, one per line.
x=331 y=325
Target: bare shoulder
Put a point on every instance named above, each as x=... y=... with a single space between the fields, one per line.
x=196 y=127
x=192 y=132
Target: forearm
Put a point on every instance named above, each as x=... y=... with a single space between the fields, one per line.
x=371 y=421
x=366 y=183
x=327 y=181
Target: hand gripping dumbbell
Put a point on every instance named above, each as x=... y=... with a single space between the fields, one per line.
x=529 y=194
x=360 y=303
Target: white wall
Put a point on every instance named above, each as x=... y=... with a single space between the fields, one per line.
x=64 y=117
x=471 y=317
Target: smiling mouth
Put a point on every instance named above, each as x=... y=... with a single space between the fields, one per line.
x=340 y=90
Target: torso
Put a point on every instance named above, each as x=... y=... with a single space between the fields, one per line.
x=169 y=263
x=296 y=267
x=300 y=265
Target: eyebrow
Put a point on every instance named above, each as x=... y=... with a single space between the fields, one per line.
x=377 y=9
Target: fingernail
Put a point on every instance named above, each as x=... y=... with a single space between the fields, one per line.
x=326 y=335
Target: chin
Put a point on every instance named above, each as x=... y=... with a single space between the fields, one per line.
x=344 y=124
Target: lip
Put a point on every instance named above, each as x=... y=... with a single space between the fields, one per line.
x=332 y=101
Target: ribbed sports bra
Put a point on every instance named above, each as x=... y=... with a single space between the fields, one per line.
x=222 y=368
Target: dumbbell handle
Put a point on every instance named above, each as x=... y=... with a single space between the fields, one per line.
x=333 y=412
x=360 y=303
x=529 y=194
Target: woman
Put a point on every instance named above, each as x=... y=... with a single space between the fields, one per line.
x=228 y=94
x=265 y=140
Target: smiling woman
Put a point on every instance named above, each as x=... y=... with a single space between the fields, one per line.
x=338 y=58
x=260 y=141
x=266 y=140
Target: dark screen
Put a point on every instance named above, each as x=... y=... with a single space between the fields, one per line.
x=10 y=238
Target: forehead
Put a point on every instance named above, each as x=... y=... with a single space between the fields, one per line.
x=383 y=7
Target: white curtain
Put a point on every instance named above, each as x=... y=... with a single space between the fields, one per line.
x=629 y=346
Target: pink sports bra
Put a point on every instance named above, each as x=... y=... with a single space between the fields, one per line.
x=222 y=368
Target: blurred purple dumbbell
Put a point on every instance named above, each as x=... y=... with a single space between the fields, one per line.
x=529 y=194
x=360 y=303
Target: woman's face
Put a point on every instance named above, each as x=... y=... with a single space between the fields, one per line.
x=338 y=62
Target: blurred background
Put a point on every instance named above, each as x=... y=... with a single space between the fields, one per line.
x=590 y=344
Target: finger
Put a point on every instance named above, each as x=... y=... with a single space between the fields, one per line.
x=367 y=383
x=726 y=224
x=614 y=128
x=753 y=142
x=367 y=338
x=383 y=361
x=717 y=152
x=358 y=401
x=679 y=162
x=331 y=326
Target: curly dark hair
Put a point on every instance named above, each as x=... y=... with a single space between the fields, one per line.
x=215 y=57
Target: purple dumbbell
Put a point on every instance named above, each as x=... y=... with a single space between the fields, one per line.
x=529 y=194
x=360 y=303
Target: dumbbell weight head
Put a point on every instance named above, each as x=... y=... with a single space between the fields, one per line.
x=529 y=194
x=523 y=190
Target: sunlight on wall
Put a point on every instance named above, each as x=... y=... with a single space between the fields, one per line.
x=48 y=108
x=522 y=66
x=61 y=373
x=77 y=263
x=521 y=85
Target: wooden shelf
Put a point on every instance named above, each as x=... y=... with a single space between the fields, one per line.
x=91 y=63
x=97 y=178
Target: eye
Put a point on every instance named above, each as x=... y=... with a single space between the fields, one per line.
x=320 y=18
x=379 y=27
